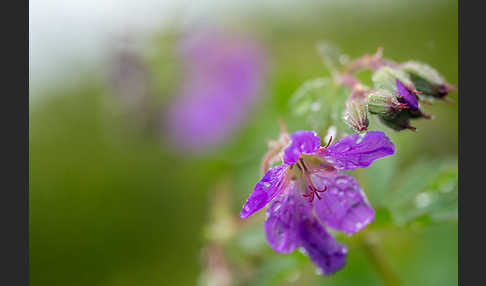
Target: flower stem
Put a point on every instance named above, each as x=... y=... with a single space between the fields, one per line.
x=375 y=255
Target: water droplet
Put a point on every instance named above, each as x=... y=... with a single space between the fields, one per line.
x=342 y=181
x=359 y=225
x=316 y=106
x=447 y=188
x=422 y=200
x=302 y=250
x=343 y=59
x=294 y=277
x=319 y=271
x=266 y=185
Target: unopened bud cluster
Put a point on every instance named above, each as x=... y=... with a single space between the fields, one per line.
x=397 y=94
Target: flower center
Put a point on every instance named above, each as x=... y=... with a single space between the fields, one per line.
x=311 y=190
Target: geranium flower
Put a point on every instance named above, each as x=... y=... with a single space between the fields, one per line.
x=307 y=192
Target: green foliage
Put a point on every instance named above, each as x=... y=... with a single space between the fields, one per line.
x=321 y=103
x=312 y=102
x=428 y=193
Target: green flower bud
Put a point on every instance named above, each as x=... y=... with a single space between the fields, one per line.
x=385 y=78
x=383 y=102
x=400 y=121
x=426 y=79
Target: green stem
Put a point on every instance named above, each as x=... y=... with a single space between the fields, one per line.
x=375 y=255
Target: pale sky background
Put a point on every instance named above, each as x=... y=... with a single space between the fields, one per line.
x=65 y=35
x=68 y=35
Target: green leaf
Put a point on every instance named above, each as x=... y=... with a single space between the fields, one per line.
x=378 y=179
x=311 y=101
x=428 y=193
x=341 y=93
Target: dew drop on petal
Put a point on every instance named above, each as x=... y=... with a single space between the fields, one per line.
x=342 y=182
x=360 y=138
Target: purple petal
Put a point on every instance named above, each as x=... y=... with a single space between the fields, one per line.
x=407 y=96
x=283 y=217
x=265 y=190
x=355 y=151
x=306 y=142
x=322 y=248
x=343 y=206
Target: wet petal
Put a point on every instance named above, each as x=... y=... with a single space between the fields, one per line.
x=355 y=151
x=407 y=96
x=265 y=190
x=343 y=206
x=283 y=217
x=322 y=248
x=306 y=142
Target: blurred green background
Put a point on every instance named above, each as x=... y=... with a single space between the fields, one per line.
x=113 y=205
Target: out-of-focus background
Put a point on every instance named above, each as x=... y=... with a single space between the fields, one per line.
x=121 y=193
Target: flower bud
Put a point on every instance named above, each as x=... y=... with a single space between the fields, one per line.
x=386 y=77
x=415 y=114
x=383 y=102
x=355 y=113
x=426 y=79
x=400 y=121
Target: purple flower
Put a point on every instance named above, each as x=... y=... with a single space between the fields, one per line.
x=307 y=192
x=223 y=76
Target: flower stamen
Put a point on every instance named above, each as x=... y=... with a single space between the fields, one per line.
x=328 y=143
x=313 y=191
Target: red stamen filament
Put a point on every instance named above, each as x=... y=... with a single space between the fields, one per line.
x=401 y=106
x=313 y=190
x=328 y=143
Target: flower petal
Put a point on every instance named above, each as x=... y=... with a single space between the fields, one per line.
x=322 y=248
x=283 y=217
x=355 y=151
x=265 y=190
x=407 y=96
x=306 y=142
x=343 y=206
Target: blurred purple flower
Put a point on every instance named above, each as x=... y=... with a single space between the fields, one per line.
x=307 y=192
x=223 y=76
